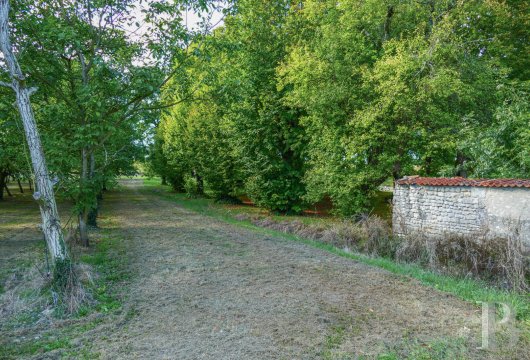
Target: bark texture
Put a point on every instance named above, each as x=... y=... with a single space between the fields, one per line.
x=44 y=193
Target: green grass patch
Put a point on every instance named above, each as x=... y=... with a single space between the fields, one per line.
x=332 y=342
x=12 y=351
x=454 y=349
x=109 y=260
x=470 y=290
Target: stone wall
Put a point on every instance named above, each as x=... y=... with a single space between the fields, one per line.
x=437 y=211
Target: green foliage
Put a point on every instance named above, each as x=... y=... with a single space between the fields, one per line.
x=230 y=126
x=291 y=103
x=191 y=186
x=287 y=102
x=99 y=84
x=13 y=160
x=503 y=149
x=398 y=84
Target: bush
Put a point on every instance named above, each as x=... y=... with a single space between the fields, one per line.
x=379 y=240
x=191 y=186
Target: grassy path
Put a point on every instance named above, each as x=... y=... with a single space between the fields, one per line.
x=180 y=284
x=203 y=288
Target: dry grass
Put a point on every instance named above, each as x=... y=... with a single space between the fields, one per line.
x=22 y=293
x=499 y=261
x=33 y=292
x=75 y=294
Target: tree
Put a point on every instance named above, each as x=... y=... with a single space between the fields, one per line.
x=391 y=88
x=196 y=132
x=12 y=153
x=101 y=85
x=44 y=193
x=235 y=130
x=503 y=149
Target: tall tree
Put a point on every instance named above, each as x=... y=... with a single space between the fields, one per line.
x=101 y=83
x=391 y=88
x=44 y=193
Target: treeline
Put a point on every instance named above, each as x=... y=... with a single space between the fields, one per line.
x=95 y=70
x=290 y=102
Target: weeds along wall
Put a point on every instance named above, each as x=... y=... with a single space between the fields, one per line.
x=437 y=211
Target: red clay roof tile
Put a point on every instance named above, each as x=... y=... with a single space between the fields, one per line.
x=460 y=181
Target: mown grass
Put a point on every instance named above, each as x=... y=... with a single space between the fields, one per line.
x=454 y=349
x=466 y=289
x=108 y=261
x=444 y=349
x=201 y=204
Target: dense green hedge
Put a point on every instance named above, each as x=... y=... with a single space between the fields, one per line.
x=292 y=103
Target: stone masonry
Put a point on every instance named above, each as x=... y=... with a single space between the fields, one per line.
x=437 y=207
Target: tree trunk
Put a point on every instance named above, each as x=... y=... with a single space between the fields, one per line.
x=44 y=193
x=92 y=215
x=7 y=189
x=83 y=232
x=2 y=185
x=30 y=183
x=386 y=25
x=461 y=164
x=20 y=186
x=200 y=184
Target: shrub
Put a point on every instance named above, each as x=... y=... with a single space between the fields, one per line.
x=379 y=240
x=190 y=186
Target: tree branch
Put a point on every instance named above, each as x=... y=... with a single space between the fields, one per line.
x=32 y=90
x=3 y=83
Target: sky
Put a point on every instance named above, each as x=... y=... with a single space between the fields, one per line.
x=190 y=18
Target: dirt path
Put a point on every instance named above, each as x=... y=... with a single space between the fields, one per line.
x=205 y=289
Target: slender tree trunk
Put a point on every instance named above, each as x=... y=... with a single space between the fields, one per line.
x=460 y=164
x=88 y=215
x=200 y=183
x=388 y=21
x=83 y=215
x=7 y=189
x=20 y=186
x=2 y=185
x=83 y=232
x=30 y=183
x=92 y=215
x=396 y=167
x=44 y=193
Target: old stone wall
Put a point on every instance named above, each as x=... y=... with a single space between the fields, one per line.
x=437 y=211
